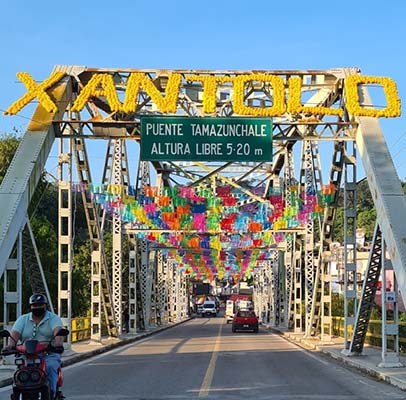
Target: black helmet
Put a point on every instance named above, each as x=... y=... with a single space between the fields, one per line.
x=38 y=298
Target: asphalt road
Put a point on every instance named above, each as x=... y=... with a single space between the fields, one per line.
x=204 y=359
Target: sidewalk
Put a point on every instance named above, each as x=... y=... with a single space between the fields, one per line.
x=367 y=362
x=86 y=349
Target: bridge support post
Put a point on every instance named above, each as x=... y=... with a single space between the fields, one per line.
x=297 y=304
x=275 y=268
x=132 y=289
x=350 y=250
x=390 y=325
x=65 y=237
x=161 y=287
x=117 y=179
x=12 y=292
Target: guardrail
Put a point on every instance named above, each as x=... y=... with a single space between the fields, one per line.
x=374 y=333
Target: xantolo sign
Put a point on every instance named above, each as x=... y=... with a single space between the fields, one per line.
x=206 y=139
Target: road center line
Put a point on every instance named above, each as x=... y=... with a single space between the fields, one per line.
x=208 y=378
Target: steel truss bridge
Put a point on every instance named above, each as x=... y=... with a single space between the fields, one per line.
x=156 y=288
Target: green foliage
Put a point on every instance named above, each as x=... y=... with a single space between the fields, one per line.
x=47 y=243
x=364 y=198
x=366 y=214
x=48 y=205
x=366 y=220
x=8 y=146
x=81 y=280
x=338 y=227
x=337 y=305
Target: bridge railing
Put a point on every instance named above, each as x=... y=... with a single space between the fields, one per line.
x=374 y=333
x=80 y=329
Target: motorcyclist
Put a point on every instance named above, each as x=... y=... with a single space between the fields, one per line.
x=42 y=325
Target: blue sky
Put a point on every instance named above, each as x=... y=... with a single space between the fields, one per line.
x=232 y=35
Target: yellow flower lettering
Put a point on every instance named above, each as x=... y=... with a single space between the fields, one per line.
x=35 y=91
x=352 y=98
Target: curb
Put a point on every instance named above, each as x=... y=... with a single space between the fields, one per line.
x=75 y=358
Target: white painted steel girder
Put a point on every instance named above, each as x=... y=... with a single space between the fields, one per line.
x=25 y=170
x=386 y=190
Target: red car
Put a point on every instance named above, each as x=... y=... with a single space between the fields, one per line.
x=245 y=320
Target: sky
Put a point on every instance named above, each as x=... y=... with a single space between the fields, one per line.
x=214 y=34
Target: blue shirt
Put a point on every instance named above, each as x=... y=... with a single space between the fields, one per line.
x=43 y=332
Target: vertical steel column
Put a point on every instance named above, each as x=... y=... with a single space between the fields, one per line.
x=65 y=239
x=143 y=179
x=13 y=286
x=326 y=320
x=282 y=288
x=132 y=287
x=264 y=282
x=289 y=173
x=276 y=288
x=171 y=290
x=183 y=295
x=318 y=283
x=101 y=293
x=96 y=294
x=177 y=279
x=268 y=283
x=117 y=241
x=298 y=320
x=309 y=239
x=145 y=293
x=255 y=294
x=289 y=259
x=350 y=250
x=161 y=270
x=390 y=325
x=160 y=297
x=152 y=283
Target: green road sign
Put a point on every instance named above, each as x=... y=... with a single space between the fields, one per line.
x=206 y=139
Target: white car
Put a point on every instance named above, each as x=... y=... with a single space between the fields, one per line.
x=209 y=309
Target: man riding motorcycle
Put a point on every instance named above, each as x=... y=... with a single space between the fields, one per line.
x=42 y=325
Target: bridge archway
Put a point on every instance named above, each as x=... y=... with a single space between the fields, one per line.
x=78 y=104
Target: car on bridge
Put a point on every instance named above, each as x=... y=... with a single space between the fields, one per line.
x=209 y=309
x=245 y=319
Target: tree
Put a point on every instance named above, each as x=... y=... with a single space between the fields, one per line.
x=47 y=244
x=338 y=228
x=364 y=198
x=81 y=280
x=8 y=146
x=366 y=220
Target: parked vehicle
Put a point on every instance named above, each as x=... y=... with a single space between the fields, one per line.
x=229 y=313
x=29 y=380
x=209 y=309
x=245 y=319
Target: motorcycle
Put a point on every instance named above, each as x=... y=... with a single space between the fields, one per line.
x=30 y=378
